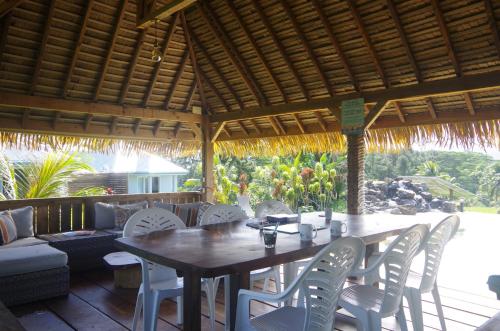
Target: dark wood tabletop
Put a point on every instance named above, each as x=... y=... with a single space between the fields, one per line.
x=235 y=249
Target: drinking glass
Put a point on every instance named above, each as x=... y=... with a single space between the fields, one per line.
x=269 y=237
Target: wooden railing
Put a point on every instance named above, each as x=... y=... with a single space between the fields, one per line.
x=75 y=213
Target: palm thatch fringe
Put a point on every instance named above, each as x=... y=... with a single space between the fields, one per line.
x=466 y=134
x=172 y=148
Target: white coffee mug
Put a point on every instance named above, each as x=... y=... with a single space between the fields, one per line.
x=306 y=232
x=337 y=228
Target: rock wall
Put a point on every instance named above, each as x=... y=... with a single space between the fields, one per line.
x=401 y=196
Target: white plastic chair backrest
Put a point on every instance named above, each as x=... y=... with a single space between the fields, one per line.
x=323 y=279
x=270 y=207
x=222 y=214
x=397 y=261
x=244 y=203
x=149 y=220
x=434 y=247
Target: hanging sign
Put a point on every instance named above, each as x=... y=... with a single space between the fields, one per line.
x=353 y=116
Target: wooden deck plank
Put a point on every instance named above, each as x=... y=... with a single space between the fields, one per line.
x=38 y=317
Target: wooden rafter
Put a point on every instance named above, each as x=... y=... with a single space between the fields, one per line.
x=299 y=123
x=275 y=126
x=321 y=121
x=113 y=125
x=493 y=23
x=194 y=62
x=450 y=86
x=404 y=40
x=137 y=125
x=305 y=44
x=431 y=108
x=256 y=49
x=189 y=99
x=333 y=40
x=446 y=36
x=43 y=46
x=8 y=5
x=217 y=70
x=83 y=107
x=217 y=131
x=115 y=33
x=233 y=55
x=26 y=117
x=76 y=51
x=399 y=111
x=214 y=90
x=368 y=43
x=88 y=121
x=177 y=128
x=57 y=118
x=156 y=128
x=152 y=81
x=133 y=63
x=374 y=113
x=243 y=128
x=255 y=125
x=469 y=103
x=177 y=78
x=279 y=124
x=281 y=48
x=5 y=25
x=383 y=122
x=147 y=14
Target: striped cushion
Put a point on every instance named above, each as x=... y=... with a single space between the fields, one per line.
x=189 y=213
x=8 y=231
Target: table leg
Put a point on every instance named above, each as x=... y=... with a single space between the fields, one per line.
x=192 y=301
x=289 y=274
x=236 y=282
x=370 y=249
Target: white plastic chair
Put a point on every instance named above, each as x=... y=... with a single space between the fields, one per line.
x=244 y=203
x=217 y=214
x=321 y=282
x=161 y=282
x=271 y=207
x=370 y=304
x=418 y=284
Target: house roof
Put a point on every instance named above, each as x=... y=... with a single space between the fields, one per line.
x=272 y=69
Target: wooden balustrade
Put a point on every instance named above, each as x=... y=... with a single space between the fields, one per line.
x=76 y=213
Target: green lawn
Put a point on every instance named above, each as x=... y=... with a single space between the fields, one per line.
x=486 y=210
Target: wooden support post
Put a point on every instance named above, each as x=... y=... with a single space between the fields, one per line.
x=355 y=174
x=207 y=162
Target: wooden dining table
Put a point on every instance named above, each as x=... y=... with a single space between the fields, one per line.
x=235 y=249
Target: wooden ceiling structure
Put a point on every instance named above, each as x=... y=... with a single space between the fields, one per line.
x=258 y=69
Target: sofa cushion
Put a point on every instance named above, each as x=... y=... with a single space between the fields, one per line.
x=189 y=213
x=21 y=260
x=123 y=213
x=105 y=213
x=8 y=231
x=23 y=217
x=30 y=241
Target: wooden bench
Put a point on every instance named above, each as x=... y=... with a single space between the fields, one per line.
x=9 y=322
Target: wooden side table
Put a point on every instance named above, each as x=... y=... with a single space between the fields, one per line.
x=126 y=269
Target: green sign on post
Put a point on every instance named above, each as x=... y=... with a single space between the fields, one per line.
x=353 y=116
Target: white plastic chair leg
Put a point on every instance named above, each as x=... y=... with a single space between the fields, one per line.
x=266 y=284
x=439 y=307
x=277 y=278
x=375 y=322
x=180 y=310
x=210 y=283
x=137 y=312
x=155 y=310
x=227 y=308
x=415 y=306
x=400 y=316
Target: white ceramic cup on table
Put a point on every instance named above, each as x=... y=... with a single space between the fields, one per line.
x=337 y=228
x=306 y=232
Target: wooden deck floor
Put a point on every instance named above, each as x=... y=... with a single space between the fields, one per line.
x=95 y=304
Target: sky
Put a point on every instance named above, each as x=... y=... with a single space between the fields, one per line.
x=493 y=152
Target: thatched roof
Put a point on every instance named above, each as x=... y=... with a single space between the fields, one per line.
x=272 y=69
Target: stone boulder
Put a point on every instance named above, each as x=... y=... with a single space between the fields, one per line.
x=406 y=194
x=436 y=203
x=408 y=210
x=449 y=207
x=427 y=196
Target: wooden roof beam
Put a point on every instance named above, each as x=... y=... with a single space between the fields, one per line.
x=469 y=103
x=43 y=46
x=256 y=49
x=156 y=128
x=8 y=5
x=404 y=40
x=194 y=62
x=450 y=86
x=152 y=81
x=446 y=36
x=431 y=108
x=216 y=30
x=215 y=91
x=115 y=33
x=399 y=111
x=217 y=131
x=274 y=125
x=305 y=44
x=493 y=24
x=299 y=123
x=217 y=70
x=243 y=128
x=190 y=97
x=255 y=125
x=374 y=113
x=5 y=25
x=137 y=125
x=321 y=121
x=280 y=48
x=147 y=15
x=84 y=107
x=366 y=39
x=177 y=78
x=57 y=118
x=333 y=40
x=79 y=43
x=133 y=64
x=88 y=121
